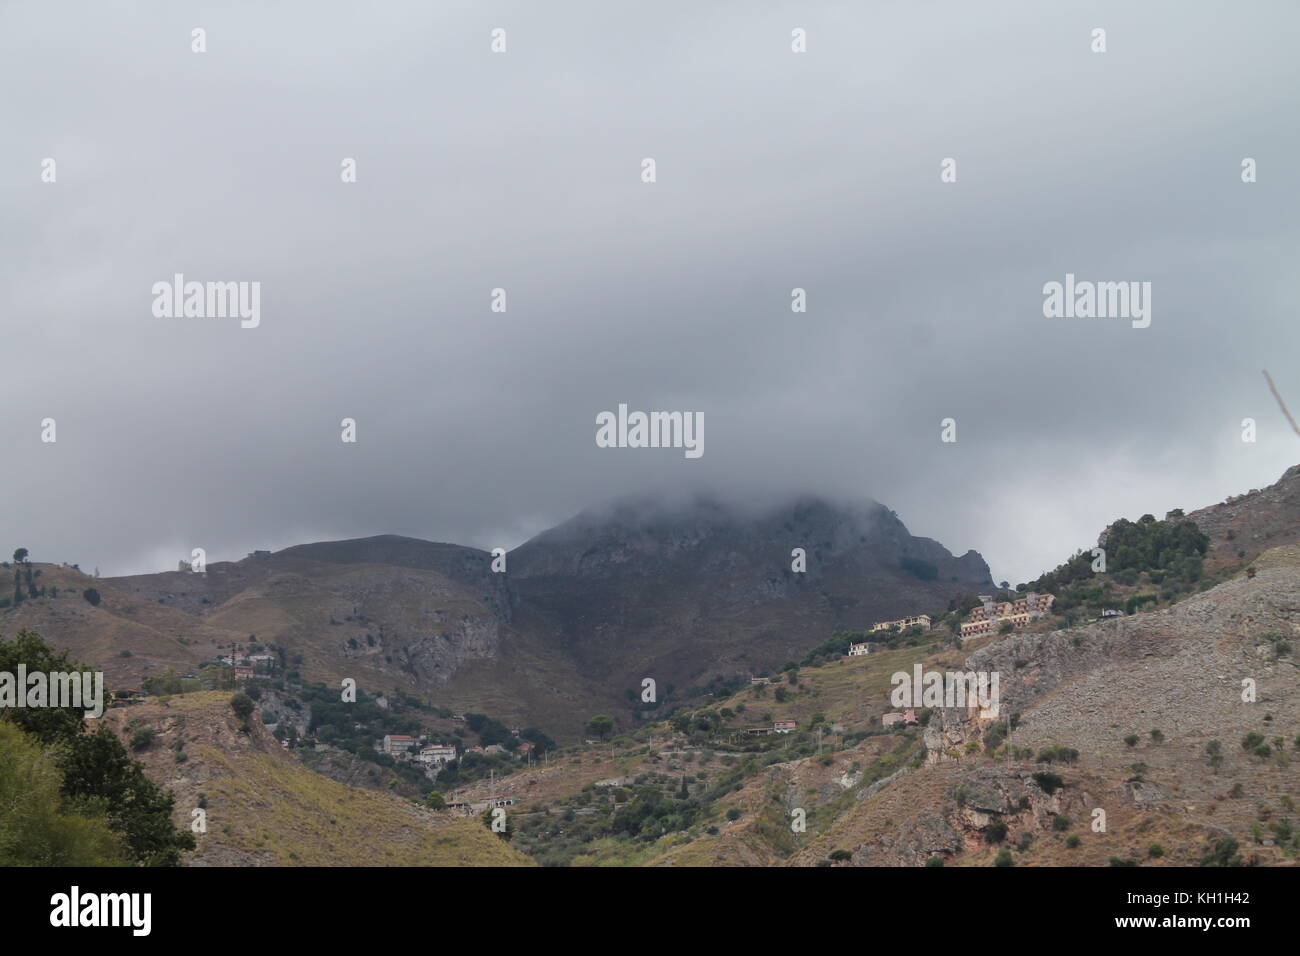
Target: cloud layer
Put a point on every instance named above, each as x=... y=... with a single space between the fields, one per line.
x=521 y=170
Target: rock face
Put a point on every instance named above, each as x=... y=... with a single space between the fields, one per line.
x=1243 y=526
x=700 y=591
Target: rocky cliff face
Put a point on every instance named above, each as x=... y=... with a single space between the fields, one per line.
x=1245 y=525
x=701 y=590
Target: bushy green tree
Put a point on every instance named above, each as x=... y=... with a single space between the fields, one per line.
x=99 y=778
x=37 y=827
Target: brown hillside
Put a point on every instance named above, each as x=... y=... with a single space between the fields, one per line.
x=266 y=809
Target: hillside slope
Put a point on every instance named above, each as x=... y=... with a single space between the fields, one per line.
x=265 y=809
x=1141 y=700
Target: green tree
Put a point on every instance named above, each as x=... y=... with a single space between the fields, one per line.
x=36 y=827
x=242 y=705
x=99 y=777
x=48 y=725
x=601 y=725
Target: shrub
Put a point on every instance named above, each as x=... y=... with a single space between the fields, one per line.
x=242 y=705
x=1222 y=852
x=841 y=855
x=92 y=596
x=1058 y=754
x=1003 y=858
x=1048 y=782
x=143 y=738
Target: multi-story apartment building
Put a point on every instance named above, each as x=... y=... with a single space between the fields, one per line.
x=991 y=615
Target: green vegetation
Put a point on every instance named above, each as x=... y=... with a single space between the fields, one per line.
x=1049 y=783
x=1222 y=852
x=98 y=784
x=1058 y=754
x=39 y=824
x=1158 y=561
x=242 y=705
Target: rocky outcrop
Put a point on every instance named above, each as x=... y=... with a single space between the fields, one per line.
x=1243 y=526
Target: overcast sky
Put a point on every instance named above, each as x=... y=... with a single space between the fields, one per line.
x=522 y=170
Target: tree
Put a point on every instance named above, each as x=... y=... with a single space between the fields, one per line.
x=91 y=595
x=435 y=801
x=37 y=827
x=99 y=776
x=601 y=725
x=242 y=705
x=20 y=556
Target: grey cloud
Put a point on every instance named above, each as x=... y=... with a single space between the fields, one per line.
x=775 y=171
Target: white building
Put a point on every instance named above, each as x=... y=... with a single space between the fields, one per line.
x=437 y=755
x=861 y=649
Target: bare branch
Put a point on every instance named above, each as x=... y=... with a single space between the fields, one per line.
x=1281 y=404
